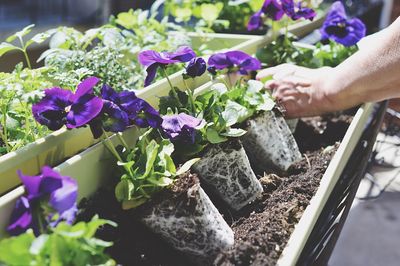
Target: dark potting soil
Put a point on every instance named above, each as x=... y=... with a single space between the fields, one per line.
x=261 y=229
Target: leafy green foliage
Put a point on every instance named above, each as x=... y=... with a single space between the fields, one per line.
x=7 y=46
x=65 y=245
x=148 y=169
x=212 y=15
x=18 y=91
x=110 y=52
x=283 y=50
x=221 y=108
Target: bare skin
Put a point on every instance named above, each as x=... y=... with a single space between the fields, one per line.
x=371 y=74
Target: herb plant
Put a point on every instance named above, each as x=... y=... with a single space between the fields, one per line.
x=18 y=91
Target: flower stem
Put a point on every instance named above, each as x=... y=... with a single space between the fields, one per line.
x=4 y=133
x=225 y=83
x=191 y=98
x=23 y=49
x=107 y=142
x=172 y=87
x=123 y=142
x=27 y=59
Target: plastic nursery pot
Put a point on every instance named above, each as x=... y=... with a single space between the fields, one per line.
x=226 y=169
x=187 y=219
x=269 y=142
x=292 y=124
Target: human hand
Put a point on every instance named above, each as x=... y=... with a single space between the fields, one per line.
x=300 y=91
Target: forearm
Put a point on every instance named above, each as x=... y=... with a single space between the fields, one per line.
x=371 y=74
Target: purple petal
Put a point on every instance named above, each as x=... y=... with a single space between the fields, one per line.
x=108 y=93
x=237 y=57
x=150 y=57
x=340 y=29
x=50 y=111
x=85 y=87
x=31 y=183
x=182 y=54
x=196 y=67
x=244 y=61
x=336 y=10
x=143 y=114
x=180 y=127
x=273 y=9
x=50 y=180
x=255 y=21
x=116 y=120
x=126 y=98
x=297 y=12
x=251 y=64
x=151 y=74
x=65 y=197
x=219 y=61
x=21 y=217
x=84 y=110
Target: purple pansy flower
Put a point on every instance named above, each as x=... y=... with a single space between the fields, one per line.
x=152 y=60
x=233 y=59
x=58 y=193
x=121 y=110
x=341 y=29
x=62 y=107
x=271 y=9
x=296 y=10
x=181 y=127
x=196 y=67
x=143 y=114
x=255 y=21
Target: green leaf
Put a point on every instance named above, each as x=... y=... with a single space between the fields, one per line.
x=130 y=204
x=151 y=155
x=24 y=31
x=256 y=5
x=186 y=166
x=214 y=137
x=15 y=250
x=6 y=47
x=94 y=224
x=183 y=14
x=255 y=86
x=163 y=181
x=21 y=33
x=127 y=19
x=38 y=244
x=234 y=132
x=210 y=12
x=123 y=190
x=43 y=36
x=219 y=87
x=235 y=113
x=268 y=103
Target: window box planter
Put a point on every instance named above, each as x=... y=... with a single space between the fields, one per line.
x=95 y=165
x=60 y=145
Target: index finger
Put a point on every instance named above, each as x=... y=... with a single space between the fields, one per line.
x=281 y=70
